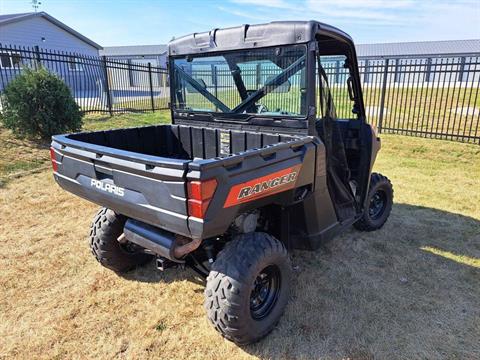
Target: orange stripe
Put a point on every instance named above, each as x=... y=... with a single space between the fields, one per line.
x=234 y=194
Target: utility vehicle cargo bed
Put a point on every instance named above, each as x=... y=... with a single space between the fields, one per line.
x=179 y=142
x=142 y=172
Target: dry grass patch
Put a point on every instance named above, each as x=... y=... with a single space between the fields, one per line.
x=22 y=156
x=363 y=296
x=94 y=122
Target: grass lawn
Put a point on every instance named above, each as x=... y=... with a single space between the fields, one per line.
x=103 y=122
x=409 y=290
x=20 y=156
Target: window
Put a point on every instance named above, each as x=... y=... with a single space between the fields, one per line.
x=325 y=104
x=74 y=64
x=9 y=60
x=268 y=82
x=335 y=78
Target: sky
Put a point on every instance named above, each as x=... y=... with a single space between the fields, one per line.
x=130 y=22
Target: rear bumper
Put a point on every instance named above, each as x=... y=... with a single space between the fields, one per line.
x=149 y=193
x=133 y=204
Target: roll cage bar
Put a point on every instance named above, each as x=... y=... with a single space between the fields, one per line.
x=199 y=87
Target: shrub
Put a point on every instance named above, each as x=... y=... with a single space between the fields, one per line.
x=37 y=103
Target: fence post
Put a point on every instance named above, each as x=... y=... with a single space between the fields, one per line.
x=461 y=71
x=151 y=86
x=258 y=78
x=382 y=98
x=396 y=77
x=130 y=73
x=337 y=72
x=366 y=74
x=428 y=70
x=1 y=79
x=38 y=60
x=215 y=82
x=107 y=85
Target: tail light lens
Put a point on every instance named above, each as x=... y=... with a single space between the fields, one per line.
x=54 y=161
x=199 y=195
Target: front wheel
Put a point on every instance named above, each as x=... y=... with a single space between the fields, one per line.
x=378 y=204
x=248 y=287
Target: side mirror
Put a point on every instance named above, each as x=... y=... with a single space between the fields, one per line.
x=191 y=89
x=350 y=88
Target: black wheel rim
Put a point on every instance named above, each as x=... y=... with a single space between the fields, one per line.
x=266 y=288
x=378 y=202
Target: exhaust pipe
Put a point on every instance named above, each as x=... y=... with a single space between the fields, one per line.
x=158 y=241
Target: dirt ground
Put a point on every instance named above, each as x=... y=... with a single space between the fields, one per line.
x=408 y=291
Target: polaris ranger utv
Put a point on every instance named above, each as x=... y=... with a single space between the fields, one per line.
x=256 y=163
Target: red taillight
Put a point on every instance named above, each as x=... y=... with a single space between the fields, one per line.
x=54 y=161
x=198 y=208
x=199 y=195
x=201 y=190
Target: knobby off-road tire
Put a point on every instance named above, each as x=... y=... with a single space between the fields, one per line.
x=378 y=204
x=247 y=266
x=106 y=227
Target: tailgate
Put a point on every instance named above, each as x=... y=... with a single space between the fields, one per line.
x=147 y=188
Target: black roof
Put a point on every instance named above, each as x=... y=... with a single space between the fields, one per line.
x=254 y=36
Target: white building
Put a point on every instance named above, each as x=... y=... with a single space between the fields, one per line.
x=156 y=55
x=42 y=30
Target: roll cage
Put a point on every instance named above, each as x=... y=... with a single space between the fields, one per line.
x=319 y=38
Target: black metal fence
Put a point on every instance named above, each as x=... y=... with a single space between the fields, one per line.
x=98 y=84
x=434 y=97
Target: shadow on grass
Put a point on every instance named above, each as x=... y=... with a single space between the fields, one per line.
x=150 y=274
x=21 y=155
x=383 y=295
x=379 y=294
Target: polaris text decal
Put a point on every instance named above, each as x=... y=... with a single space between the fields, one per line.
x=113 y=189
x=279 y=181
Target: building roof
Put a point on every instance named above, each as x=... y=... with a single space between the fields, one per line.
x=11 y=18
x=419 y=48
x=135 y=50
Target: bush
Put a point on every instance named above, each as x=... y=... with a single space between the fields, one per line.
x=37 y=103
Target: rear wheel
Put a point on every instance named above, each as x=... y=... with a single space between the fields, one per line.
x=248 y=287
x=106 y=227
x=378 y=204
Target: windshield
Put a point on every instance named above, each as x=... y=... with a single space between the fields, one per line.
x=256 y=81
